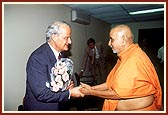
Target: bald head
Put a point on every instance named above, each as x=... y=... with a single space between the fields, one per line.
x=121 y=37
x=123 y=31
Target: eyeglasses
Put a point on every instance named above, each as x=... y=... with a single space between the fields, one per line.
x=64 y=36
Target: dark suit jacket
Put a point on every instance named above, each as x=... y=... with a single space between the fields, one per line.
x=88 y=55
x=38 y=97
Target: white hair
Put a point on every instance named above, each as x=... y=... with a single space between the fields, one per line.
x=55 y=28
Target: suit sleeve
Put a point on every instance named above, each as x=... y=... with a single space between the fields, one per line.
x=37 y=76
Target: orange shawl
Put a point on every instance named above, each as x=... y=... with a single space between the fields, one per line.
x=133 y=76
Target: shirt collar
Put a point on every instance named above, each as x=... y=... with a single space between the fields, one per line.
x=56 y=53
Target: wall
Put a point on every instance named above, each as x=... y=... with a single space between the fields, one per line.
x=24 y=31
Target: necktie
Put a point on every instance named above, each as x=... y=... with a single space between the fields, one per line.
x=59 y=56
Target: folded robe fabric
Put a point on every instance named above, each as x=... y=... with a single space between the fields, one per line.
x=133 y=76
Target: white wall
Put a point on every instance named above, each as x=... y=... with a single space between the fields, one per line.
x=24 y=31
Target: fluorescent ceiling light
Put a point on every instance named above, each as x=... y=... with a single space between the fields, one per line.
x=147 y=11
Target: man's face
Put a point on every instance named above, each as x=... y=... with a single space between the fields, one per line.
x=91 y=45
x=115 y=41
x=63 y=40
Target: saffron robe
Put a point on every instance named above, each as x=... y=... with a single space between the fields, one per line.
x=133 y=76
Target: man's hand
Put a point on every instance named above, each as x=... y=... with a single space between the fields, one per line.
x=75 y=92
x=85 y=89
x=71 y=85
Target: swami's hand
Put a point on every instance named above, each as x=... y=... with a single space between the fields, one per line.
x=85 y=89
x=75 y=92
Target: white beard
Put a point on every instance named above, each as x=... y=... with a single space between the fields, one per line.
x=114 y=51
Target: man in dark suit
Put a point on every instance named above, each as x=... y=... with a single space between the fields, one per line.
x=38 y=96
x=94 y=61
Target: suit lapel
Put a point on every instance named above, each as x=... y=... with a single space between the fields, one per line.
x=50 y=54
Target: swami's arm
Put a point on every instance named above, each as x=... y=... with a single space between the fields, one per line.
x=107 y=93
x=124 y=104
x=102 y=86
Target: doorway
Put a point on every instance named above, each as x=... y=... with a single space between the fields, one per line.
x=150 y=40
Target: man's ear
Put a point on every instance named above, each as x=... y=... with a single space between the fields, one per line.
x=54 y=37
x=124 y=40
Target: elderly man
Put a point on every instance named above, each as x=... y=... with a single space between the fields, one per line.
x=133 y=83
x=40 y=96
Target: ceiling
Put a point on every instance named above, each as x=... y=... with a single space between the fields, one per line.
x=119 y=13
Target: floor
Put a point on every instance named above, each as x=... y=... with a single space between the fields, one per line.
x=87 y=103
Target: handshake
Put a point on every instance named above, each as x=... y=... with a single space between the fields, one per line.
x=80 y=91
